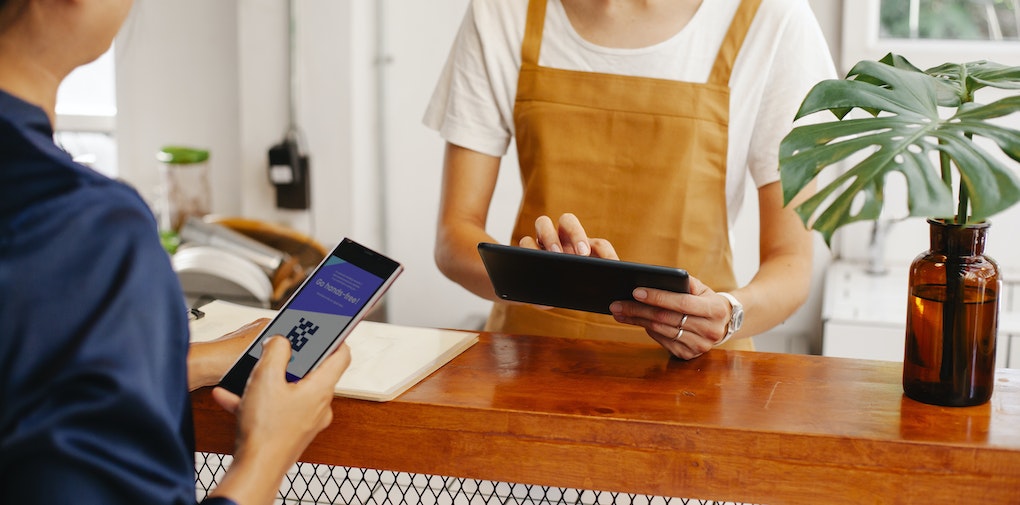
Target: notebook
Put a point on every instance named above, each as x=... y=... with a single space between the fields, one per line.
x=386 y=359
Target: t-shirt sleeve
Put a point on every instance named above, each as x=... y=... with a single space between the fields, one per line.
x=802 y=60
x=471 y=106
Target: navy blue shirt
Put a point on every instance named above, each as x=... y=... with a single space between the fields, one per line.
x=94 y=404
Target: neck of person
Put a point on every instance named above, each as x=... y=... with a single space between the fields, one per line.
x=28 y=79
x=629 y=24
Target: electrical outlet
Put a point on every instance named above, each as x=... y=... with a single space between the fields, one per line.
x=288 y=172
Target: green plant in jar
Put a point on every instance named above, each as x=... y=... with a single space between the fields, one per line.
x=925 y=126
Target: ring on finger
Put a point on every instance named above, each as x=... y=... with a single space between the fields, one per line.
x=680 y=330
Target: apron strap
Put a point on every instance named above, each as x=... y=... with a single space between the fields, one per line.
x=723 y=66
x=532 y=44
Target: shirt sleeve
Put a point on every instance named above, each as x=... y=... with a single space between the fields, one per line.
x=472 y=106
x=802 y=60
x=93 y=350
x=218 y=501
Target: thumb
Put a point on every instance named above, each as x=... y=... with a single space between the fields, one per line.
x=275 y=355
x=227 y=400
x=696 y=287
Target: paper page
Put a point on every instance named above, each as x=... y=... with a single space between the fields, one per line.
x=386 y=359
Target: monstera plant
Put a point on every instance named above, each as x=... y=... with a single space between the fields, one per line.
x=924 y=125
x=911 y=115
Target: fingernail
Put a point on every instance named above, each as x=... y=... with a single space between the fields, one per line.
x=583 y=248
x=555 y=248
x=615 y=307
x=640 y=294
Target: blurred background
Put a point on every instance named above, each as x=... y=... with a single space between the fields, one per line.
x=353 y=77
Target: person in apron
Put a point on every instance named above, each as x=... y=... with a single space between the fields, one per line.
x=641 y=163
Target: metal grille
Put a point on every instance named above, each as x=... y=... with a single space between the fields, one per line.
x=315 y=484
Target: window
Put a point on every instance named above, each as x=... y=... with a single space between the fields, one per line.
x=86 y=115
x=931 y=32
x=950 y=19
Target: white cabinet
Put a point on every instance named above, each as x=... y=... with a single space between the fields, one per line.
x=863 y=340
x=864 y=315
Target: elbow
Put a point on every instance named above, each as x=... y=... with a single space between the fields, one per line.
x=445 y=257
x=441 y=257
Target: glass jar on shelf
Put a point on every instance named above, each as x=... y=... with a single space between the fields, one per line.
x=184 y=186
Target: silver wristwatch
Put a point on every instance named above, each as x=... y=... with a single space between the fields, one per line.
x=736 y=317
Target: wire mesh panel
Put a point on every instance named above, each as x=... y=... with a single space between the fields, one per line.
x=315 y=484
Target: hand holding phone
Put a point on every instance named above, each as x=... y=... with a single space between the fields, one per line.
x=323 y=311
x=267 y=428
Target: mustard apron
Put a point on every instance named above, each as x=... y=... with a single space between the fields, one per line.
x=640 y=161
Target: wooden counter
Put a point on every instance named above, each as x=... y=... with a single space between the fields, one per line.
x=730 y=425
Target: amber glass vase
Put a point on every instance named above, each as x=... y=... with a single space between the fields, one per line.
x=952 y=318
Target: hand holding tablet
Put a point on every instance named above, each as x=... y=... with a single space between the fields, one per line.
x=570 y=281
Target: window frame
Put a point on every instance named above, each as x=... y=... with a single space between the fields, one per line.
x=86 y=114
x=861 y=42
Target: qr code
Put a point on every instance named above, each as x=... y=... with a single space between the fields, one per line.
x=298 y=335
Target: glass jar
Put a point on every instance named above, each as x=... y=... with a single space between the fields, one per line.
x=184 y=185
x=952 y=318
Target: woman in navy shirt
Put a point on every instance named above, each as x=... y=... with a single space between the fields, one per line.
x=94 y=404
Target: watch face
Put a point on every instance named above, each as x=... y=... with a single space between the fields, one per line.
x=736 y=314
x=738 y=318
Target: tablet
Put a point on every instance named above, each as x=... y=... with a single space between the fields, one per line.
x=569 y=281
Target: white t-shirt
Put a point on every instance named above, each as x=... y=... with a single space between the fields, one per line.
x=783 y=56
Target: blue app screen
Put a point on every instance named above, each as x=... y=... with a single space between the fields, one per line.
x=320 y=311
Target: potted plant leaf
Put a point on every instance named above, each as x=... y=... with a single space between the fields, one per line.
x=923 y=124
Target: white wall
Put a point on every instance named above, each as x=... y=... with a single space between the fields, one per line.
x=177 y=83
x=214 y=75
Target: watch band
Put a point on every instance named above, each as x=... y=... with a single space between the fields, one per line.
x=735 y=307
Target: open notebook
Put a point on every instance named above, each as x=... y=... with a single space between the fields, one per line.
x=386 y=359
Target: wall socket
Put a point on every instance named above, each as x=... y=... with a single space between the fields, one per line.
x=288 y=171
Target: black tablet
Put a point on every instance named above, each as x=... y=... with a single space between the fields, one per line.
x=570 y=281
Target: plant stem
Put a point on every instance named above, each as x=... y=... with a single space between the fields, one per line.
x=947 y=170
x=953 y=318
x=961 y=212
x=947 y=179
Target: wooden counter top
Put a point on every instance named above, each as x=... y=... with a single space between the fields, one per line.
x=730 y=425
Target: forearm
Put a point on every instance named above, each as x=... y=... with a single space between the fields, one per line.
x=456 y=256
x=209 y=361
x=252 y=479
x=469 y=181
x=780 y=287
x=783 y=280
x=205 y=365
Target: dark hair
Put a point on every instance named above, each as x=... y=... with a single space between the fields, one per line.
x=10 y=11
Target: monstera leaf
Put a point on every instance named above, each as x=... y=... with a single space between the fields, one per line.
x=921 y=124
